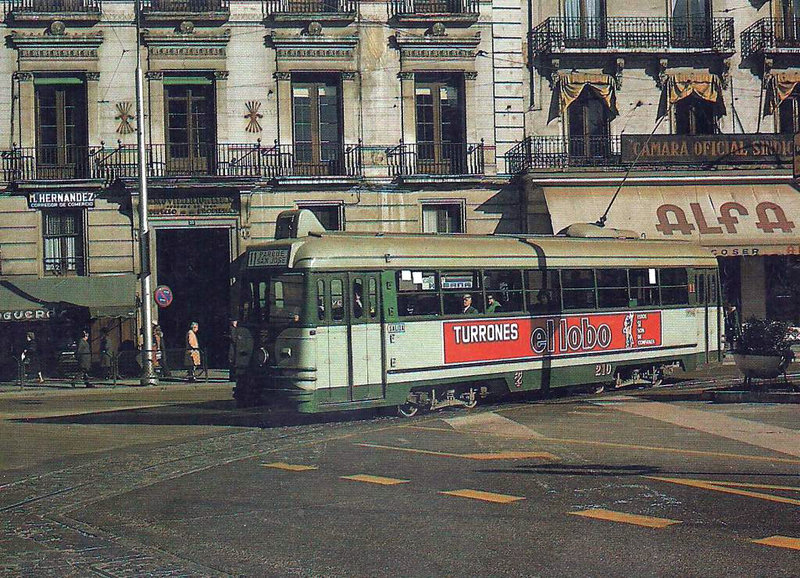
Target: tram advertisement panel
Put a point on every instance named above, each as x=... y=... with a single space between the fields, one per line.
x=525 y=337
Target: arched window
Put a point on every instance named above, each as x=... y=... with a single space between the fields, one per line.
x=588 y=123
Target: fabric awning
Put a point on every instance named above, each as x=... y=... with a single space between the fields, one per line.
x=780 y=86
x=571 y=84
x=728 y=219
x=24 y=299
x=681 y=85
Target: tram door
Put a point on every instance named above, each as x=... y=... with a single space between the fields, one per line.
x=364 y=337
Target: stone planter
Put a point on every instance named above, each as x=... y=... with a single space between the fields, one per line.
x=761 y=366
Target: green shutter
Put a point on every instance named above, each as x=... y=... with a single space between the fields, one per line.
x=50 y=80
x=183 y=80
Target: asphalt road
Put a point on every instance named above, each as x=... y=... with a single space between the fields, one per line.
x=176 y=481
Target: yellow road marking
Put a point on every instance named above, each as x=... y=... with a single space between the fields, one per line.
x=718 y=488
x=289 y=467
x=375 y=479
x=757 y=486
x=487 y=456
x=484 y=496
x=638 y=447
x=635 y=519
x=780 y=542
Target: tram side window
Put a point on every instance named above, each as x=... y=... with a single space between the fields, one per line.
x=644 y=287
x=461 y=293
x=714 y=289
x=542 y=291
x=417 y=293
x=372 y=284
x=612 y=288
x=358 y=299
x=674 y=286
x=578 y=288
x=337 y=299
x=321 y=300
x=503 y=291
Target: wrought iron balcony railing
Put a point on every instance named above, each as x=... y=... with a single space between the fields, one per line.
x=557 y=35
x=172 y=11
x=247 y=160
x=22 y=7
x=309 y=7
x=434 y=158
x=47 y=163
x=771 y=35
x=434 y=7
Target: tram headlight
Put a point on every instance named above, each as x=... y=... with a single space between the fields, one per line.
x=262 y=357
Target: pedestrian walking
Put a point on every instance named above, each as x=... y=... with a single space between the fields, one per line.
x=30 y=357
x=192 y=355
x=84 y=355
x=233 y=340
x=106 y=355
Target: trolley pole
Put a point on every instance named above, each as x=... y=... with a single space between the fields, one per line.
x=148 y=375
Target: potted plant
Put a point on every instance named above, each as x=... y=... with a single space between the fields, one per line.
x=763 y=349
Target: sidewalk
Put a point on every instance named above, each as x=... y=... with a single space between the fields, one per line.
x=215 y=376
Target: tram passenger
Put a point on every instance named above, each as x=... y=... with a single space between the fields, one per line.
x=492 y=305
x=468 y=309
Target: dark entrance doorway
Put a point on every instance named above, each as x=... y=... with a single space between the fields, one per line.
x=194 y=263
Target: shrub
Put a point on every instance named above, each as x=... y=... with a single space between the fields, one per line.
x=764 y=337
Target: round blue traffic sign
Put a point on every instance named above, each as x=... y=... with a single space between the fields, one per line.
x=163 y=296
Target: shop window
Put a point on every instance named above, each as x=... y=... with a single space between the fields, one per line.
x=190 y=125
x=442 y=218
x=64 y=242
x=330 y=215
x=503 y=291
x=316 y=108
x=61 y=127
x=695 y=116
x=588 y=122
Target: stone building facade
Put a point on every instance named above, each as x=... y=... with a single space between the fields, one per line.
x=681 y=112
x=376 y=115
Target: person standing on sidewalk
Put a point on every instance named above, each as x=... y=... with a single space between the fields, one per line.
x=106 y=355
x=30 y=356
x=84 y=355
x=233 y=342
x=161 y=350
x=192 y=356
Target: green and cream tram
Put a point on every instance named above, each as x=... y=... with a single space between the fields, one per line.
x=332 y=321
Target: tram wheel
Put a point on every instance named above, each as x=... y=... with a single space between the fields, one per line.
x=407 y=410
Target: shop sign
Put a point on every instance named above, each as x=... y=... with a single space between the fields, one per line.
x=31 y=315
x=693 y=149
x=74 y=200
x=550 y=337
x=769 y=218
x=268 y=258
x=191 y=206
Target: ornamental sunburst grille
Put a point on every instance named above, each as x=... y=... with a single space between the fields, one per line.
x=253 y=116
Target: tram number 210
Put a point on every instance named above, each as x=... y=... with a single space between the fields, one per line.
x=602 y=369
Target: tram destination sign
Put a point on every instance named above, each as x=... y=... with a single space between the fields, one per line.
x=268 y=258
x=525 y=338
x=726 y=149
x=73 y=200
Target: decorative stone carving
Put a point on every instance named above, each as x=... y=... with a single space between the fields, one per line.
x=93 y=76
x=253 y=116
x=193 y=45
x=726 y=73
x=282 y=75
x=470 y=75
x=438 y=29
x=57 y=28
x=314 y=29
x=23 y=76
x=440 y=48
x=125 y=117
x=39 y=47
x=154 y=75
x=620 y=66
x=221 y=75
x=349 y=75
x=405 y=75
x=310 y=47
x=663 y=65
x=186 y=27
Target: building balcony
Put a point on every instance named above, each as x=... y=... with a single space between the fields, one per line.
x=172 y=12
x=651 y=152
x=435 y=159
x=68 y=11
x=47 y=163
x=232 y=160
x=449 y=11
x=310 y=10
x=656 y=35
x=771 y=36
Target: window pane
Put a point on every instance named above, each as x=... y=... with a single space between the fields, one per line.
x=337 y=300
x=373 y=297
x=543 y=291
x=644 y=287
x=575 y=278
x=612 y=277
x=505 y=289
x=358 y=299
x=320 y=300
x=579 y=299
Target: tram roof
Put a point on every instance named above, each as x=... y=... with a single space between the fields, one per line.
x=382 y=250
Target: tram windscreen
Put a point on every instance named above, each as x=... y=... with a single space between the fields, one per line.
x=274 y=298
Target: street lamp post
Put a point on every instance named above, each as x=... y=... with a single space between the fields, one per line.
x=148 y=374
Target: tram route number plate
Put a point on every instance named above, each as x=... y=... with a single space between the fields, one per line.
x=268 y=258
